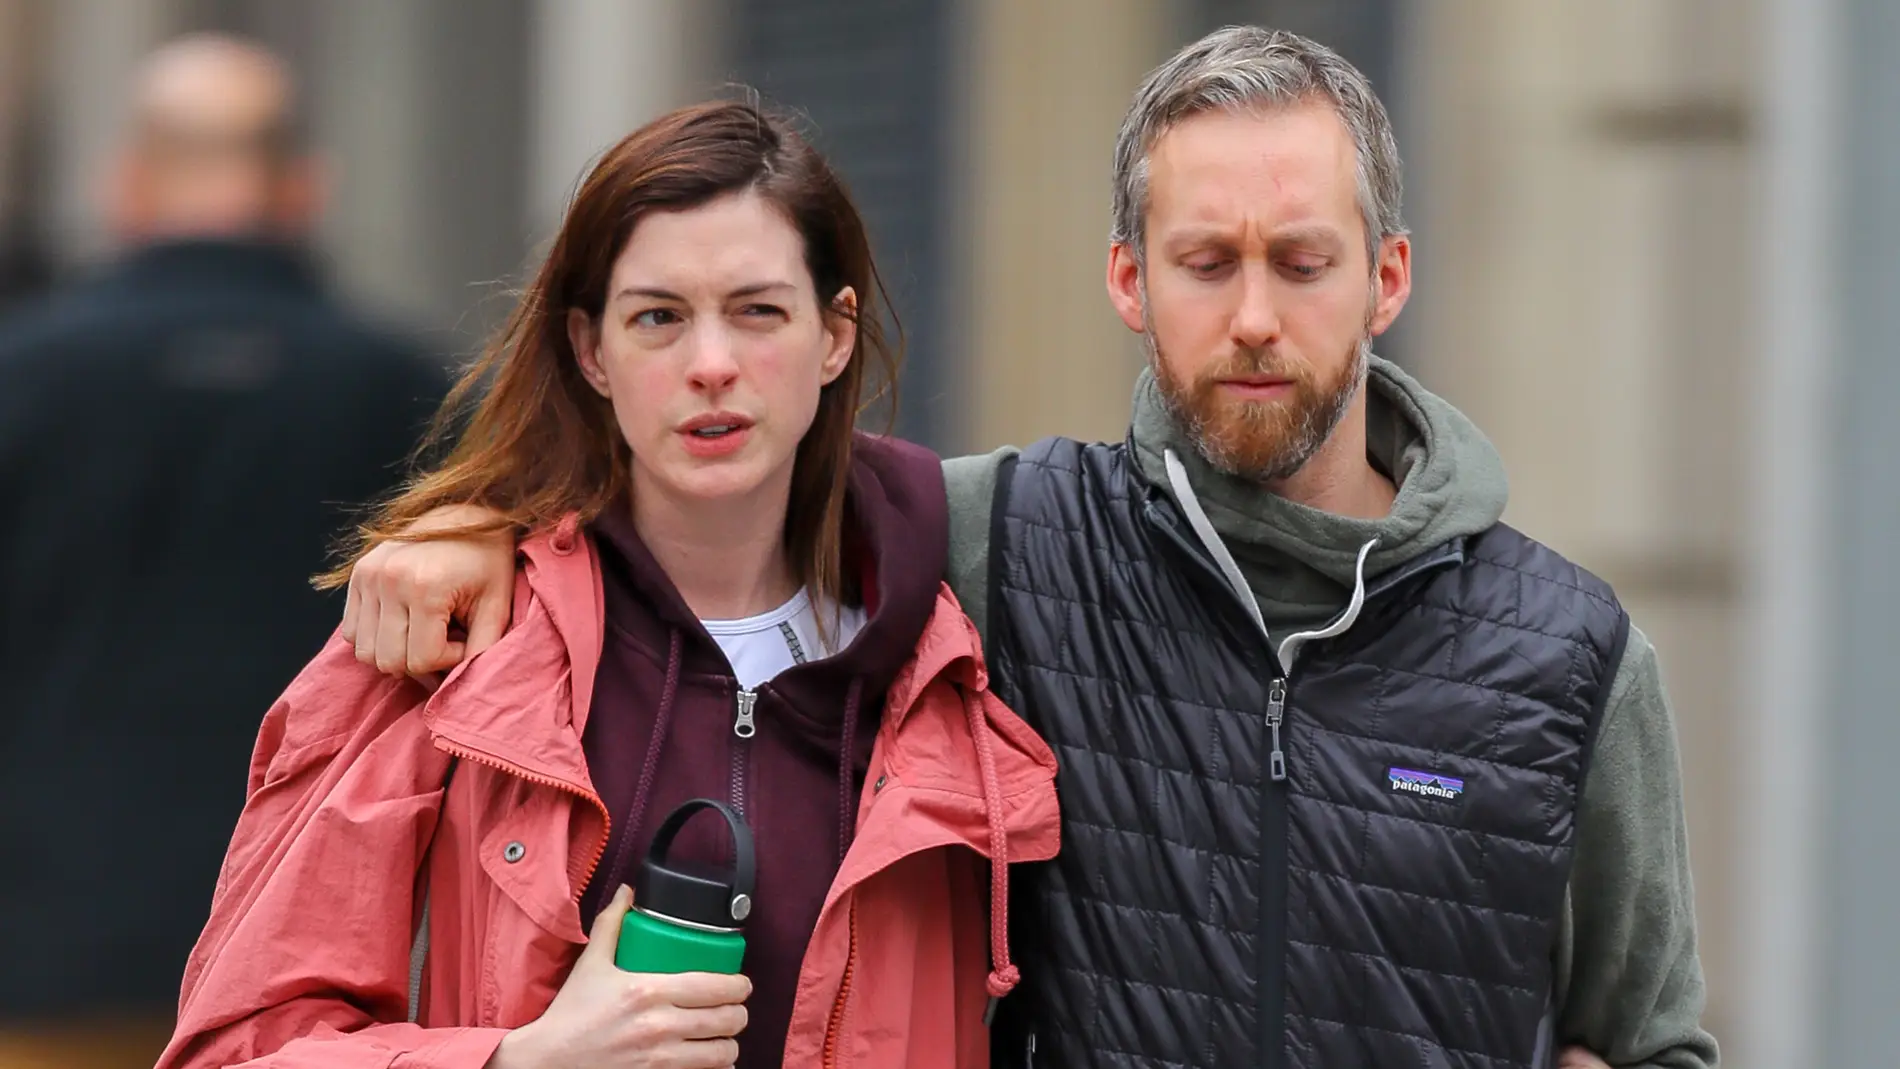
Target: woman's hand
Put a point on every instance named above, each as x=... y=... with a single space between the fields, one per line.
x=1578 y=1058
x=609 y=1018
x=404 y=595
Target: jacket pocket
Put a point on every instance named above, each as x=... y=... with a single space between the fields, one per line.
x=531 y=928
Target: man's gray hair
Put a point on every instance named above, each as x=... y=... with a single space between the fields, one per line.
x=1245 y=68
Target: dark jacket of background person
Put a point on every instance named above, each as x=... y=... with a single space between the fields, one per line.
x=181 y=441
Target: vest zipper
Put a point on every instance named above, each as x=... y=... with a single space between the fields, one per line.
x=1276 y=713
x=1273 y=877
x=743 y=727
x=1271 y=990
x=1270 y=974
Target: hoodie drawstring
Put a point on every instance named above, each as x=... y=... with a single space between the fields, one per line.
x=847 y=752
x=661 y=724
x=1004 y=975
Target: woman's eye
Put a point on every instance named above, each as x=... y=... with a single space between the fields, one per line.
x=656 y=317
x=762 y=311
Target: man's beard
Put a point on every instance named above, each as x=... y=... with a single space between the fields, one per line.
x=1262 y=441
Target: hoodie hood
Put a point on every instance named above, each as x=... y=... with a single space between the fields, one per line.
x=1302 y=563
x=898 y=522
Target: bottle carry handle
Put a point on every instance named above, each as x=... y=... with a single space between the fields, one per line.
x=744 y=859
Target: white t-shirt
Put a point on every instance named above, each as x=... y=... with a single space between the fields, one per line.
x=762 y=646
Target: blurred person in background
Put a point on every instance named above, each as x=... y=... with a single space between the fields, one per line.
x=1352 y=773
x=180 y=441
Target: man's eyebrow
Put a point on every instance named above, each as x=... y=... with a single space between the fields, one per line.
x=1320 y=235
x=1196 y=234
x=1314 y=235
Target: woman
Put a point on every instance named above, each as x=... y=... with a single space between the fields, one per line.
x=726 y=593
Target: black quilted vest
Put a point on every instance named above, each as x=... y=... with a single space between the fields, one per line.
x=1394 y=899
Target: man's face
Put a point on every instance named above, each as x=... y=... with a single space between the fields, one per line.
x=1257 y=299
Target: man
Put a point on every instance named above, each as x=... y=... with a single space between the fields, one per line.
x=1351 y=774
x=180 y=441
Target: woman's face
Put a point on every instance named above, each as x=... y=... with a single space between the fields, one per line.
x=713 y=348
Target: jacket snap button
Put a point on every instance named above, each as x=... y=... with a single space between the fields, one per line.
x=513 y=852
x=878 y=786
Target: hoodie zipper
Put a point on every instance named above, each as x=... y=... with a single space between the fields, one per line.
x=744 y=726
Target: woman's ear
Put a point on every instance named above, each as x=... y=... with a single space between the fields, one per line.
x=584 y=335
x=841 y=331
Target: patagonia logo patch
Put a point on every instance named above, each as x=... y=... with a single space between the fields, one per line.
x=1428 y=784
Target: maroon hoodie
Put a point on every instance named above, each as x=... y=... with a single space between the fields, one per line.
x=665 y=700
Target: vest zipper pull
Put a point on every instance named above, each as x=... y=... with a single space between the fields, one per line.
x=1276 y=712
x=743 y=725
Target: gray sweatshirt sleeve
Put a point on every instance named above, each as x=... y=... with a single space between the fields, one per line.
x=1629 y=981
x=970 y=483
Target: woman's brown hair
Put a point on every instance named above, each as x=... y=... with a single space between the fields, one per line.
x=541 y=444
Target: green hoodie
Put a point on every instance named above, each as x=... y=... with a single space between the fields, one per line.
x=1629 y=982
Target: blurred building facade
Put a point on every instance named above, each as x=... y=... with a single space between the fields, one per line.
x=1653 y=242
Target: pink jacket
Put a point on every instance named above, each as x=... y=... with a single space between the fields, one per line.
x=306 y=958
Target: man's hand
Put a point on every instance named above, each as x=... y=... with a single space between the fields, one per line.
x=404 y=595
x=604 y=1016
x=1578 y=1058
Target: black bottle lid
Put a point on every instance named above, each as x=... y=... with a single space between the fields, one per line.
x=721 y=900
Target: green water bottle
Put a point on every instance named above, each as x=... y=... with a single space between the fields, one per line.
x=684 y=920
